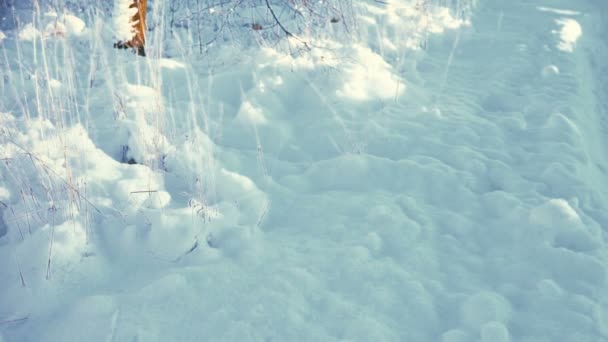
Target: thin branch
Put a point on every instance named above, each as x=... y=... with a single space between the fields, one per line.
x=16 y=320
x=286 y=31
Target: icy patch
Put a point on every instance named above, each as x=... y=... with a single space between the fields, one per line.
x=569 y=33
x=557 y=11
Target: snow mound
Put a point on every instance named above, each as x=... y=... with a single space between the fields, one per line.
x=73 y=24
x=569 y=34
x=28 y=33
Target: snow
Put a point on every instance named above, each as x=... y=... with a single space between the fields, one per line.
x=485 y=307
x=495 y=332
x=569 y=33
x=171 y=64
x=558 y=11
x=550 y=70
x=123 y=26
x=54 y=26
x=251 y=115
x=372 y=80
x=429 y=175
x=74 y=25
x=28 y=33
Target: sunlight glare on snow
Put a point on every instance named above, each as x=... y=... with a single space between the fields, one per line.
x=369 y=77
x=250 y=114
x=74 y=25
x=569 y=33
x=558 y=11
x=28 y=33
x=171 y=64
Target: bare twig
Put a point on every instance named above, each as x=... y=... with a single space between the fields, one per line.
x=48 y=265
x=286 y=31
x=25 y=214
x=20 y=272
x=16 y=320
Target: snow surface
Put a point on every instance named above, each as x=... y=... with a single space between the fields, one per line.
x=432 y=178
x=74 y=25
x=558 y=11
x=28 y=33
x=122 y=19
x=569 y=33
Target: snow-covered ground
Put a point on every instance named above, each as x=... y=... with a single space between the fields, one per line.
x=425 y=175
